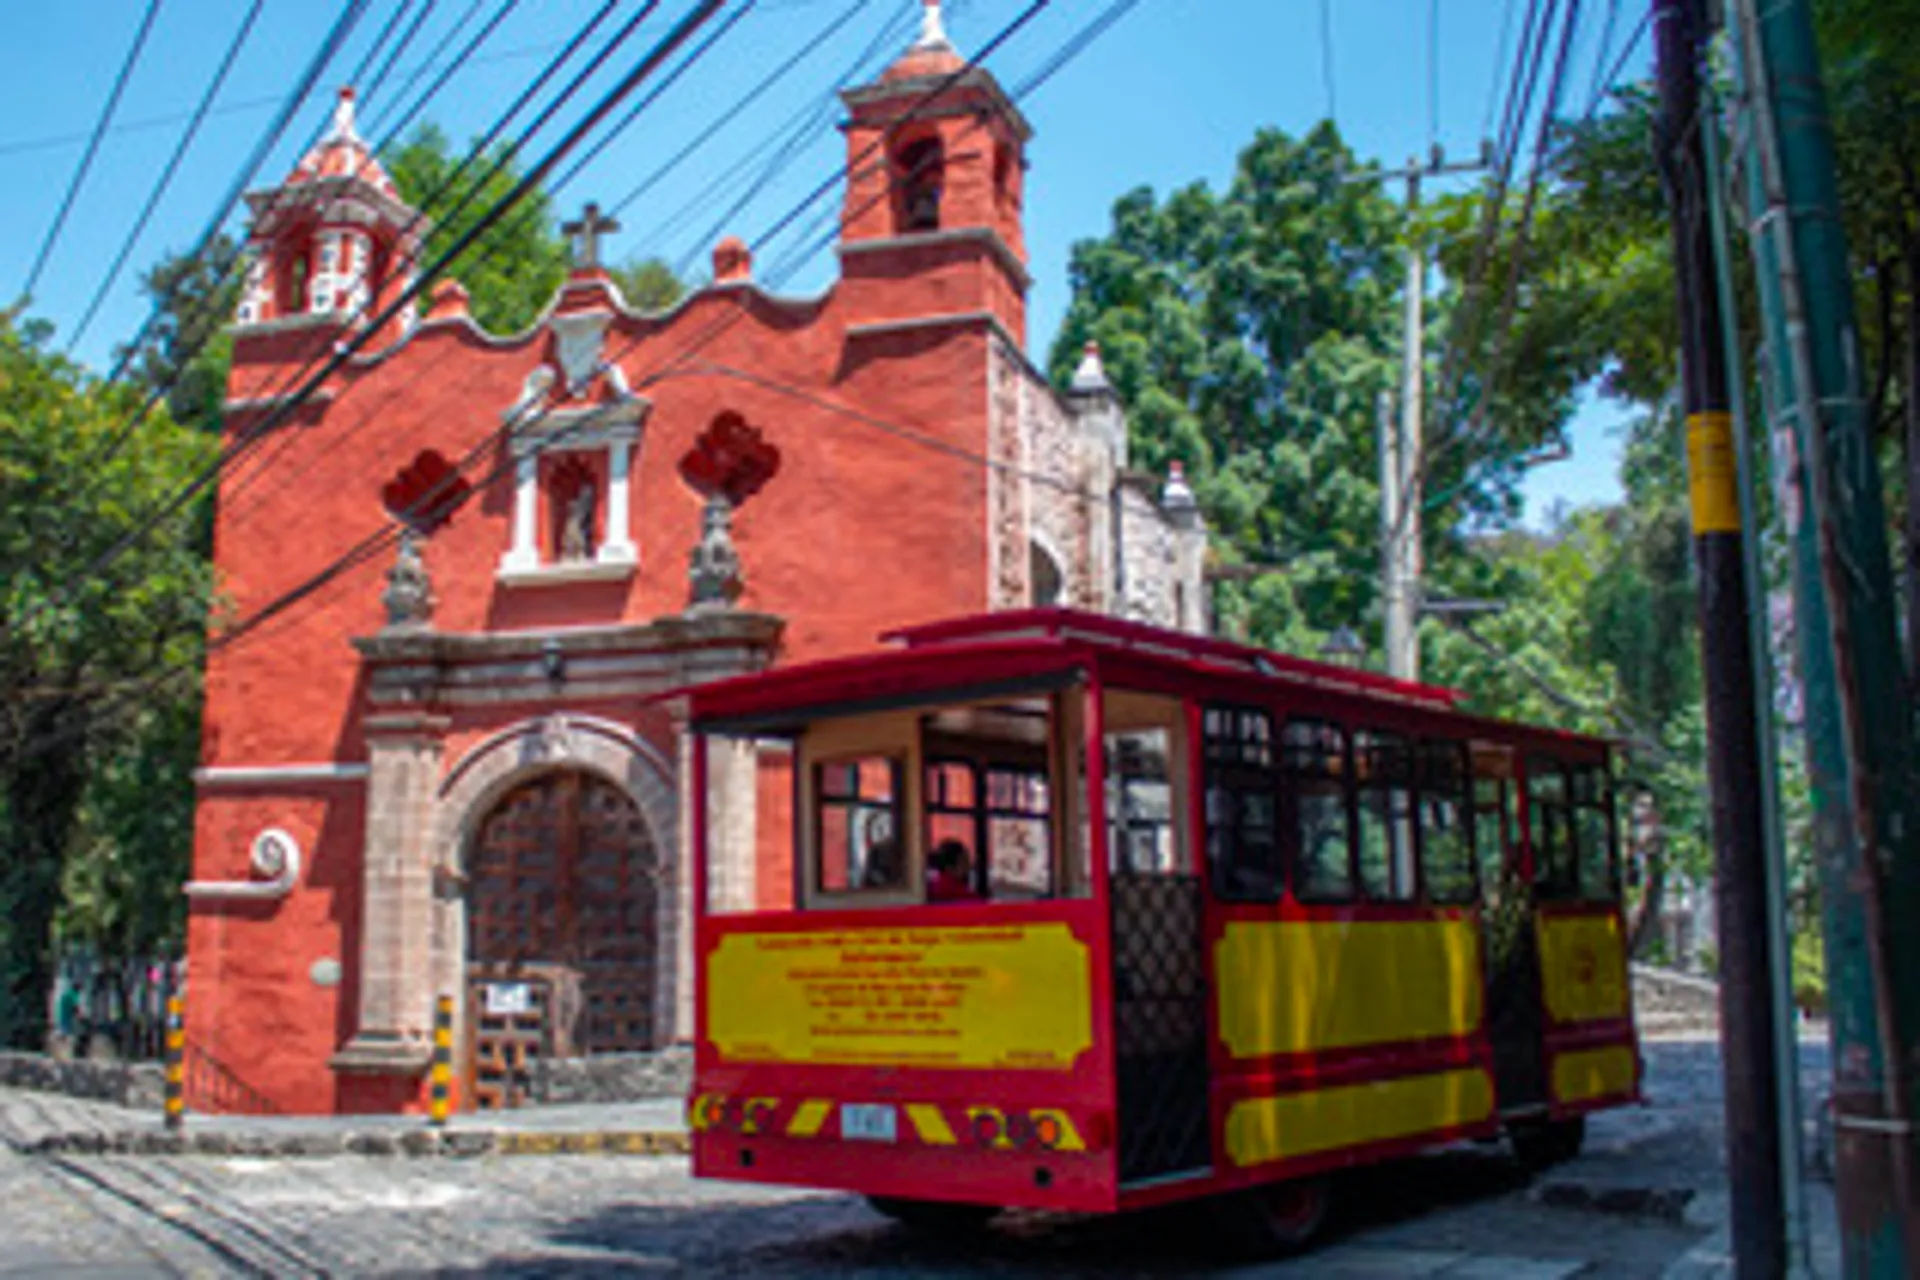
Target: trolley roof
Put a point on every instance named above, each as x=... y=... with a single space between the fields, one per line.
x=1027 y=650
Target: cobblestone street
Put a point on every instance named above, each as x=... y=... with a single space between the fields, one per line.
x=1459 y=1213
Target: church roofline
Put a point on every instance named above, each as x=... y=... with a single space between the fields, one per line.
x=336 y=196
x=952 y=102
x=467 y=326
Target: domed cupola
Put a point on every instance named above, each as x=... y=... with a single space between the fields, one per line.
x=334 y=242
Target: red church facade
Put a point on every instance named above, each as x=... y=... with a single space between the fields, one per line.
x=455 y=768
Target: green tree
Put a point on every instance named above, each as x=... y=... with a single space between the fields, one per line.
x=185 y=352
x=132 y=845
x=80 y=653
x=648 y=284
x=1250 y=334
x=512 y=270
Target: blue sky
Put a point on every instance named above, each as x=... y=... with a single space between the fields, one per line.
x=1166 y=97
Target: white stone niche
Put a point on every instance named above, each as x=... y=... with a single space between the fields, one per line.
x=535 y=430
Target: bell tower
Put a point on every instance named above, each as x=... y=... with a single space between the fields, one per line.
x=932 y=223
x=333 y=245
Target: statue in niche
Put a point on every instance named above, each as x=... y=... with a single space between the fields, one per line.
x=576 y=529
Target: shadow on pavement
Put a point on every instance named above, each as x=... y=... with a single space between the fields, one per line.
x=837 y=1235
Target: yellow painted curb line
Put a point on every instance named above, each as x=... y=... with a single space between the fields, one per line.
x=628 y=1143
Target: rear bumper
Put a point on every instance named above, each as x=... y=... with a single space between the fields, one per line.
x=1031 y=1179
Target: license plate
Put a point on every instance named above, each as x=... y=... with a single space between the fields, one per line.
x=868 y=1122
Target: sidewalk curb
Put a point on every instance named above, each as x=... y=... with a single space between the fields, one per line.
x=412 y=1143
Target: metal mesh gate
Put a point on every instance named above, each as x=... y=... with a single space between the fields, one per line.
x=1160 y=1024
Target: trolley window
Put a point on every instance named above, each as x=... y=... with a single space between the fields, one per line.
x=1556 y=868
x=859 y=824
x=1140 y=802
x=1491 y=833
x=1446 y=826
x=989 y=801
x=1383 y=771
x=1243 y=845
x=988 y=830
x=1593 y=833
x=1315 y=765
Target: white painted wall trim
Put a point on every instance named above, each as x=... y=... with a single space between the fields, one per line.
x=267 y=775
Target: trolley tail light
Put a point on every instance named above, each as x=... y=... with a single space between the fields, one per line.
x=717 y=1113
x=987 y=1125
x=707 y=1112
x=1055 y=1130
x=1049 y=1128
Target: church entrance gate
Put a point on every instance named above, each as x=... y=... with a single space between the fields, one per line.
x=561 y=927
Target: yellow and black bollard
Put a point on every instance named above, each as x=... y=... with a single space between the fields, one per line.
x=176 y=1043
x=442 y=1079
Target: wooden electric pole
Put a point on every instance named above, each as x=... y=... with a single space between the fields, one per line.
x=1401 y=438
x=1747 y=1011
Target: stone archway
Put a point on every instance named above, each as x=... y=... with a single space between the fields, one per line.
x=558 y=843
x=1046 y=581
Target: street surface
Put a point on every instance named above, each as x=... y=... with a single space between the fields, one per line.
x=1464 y=1212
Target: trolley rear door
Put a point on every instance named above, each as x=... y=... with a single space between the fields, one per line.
x=1159 y=968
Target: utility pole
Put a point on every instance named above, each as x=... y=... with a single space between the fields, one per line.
x=1400 y=463
x=1786 y=1038
x=1859 y=722
x=1747 y=1015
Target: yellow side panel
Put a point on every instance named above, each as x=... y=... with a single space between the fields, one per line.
x=1592 y=1073
x=1260 y=1130
x=995 y=996
x=1298 y=986
x=1583 y=968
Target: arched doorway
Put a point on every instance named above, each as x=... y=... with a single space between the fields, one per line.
x=1046 y=584
x=561 y=925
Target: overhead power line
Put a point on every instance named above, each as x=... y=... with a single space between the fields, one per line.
x=681 y=366
x=93 y=148
x=1326 y=58
x=429 y=206
x=702 y=12
x=466 y=57
x=225 y=269
x=1433 y=73
x=329 y=46
x=725 y=118
x=168 y=170
x=263 y=465
x=1477 y=429
x=1600 y=50
x=241 y=106
x=371 y=545
x=371 y=92
x=1499 y=59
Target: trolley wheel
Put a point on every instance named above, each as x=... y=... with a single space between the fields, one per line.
x=1276 y=1219
x=934 y=1217
x=1541 y=1144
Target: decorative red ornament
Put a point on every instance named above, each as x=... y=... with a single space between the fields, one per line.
x=730 y=459
x=426 y=492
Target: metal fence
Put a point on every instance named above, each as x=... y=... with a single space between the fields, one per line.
x=113 y=1007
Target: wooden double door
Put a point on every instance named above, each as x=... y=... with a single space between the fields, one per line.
x=562 y=930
